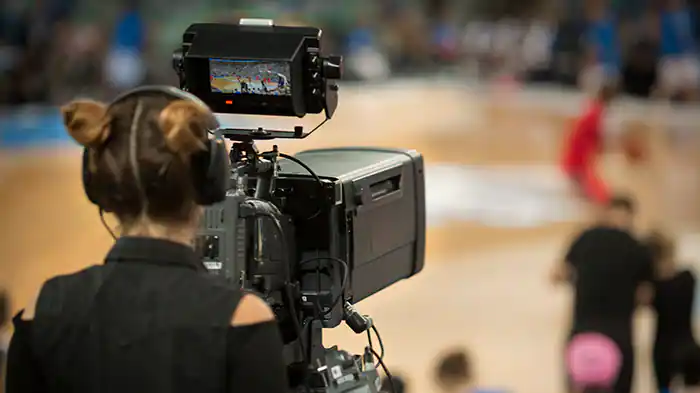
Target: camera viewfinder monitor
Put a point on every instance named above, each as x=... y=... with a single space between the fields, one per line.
x=270 y=70
x=250 y=77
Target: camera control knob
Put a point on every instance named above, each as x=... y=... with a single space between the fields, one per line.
x=333 y=67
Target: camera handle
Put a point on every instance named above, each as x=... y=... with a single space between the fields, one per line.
x=246 y=161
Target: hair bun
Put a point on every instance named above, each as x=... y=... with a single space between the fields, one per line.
x=86 y=122
x=184 y=125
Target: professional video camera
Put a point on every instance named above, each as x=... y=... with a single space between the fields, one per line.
x=313 y=233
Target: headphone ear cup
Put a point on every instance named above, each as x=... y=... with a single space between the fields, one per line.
x=87 y=178
x=211 y=172
x=220 y=169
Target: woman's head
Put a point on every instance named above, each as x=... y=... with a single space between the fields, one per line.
x=454 y=371
x=663 y=251
x=397 y=384
x=139 y=156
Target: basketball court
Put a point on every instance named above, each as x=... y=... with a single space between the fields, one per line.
x=499 y=215
x=225 y=84
x=230 y=84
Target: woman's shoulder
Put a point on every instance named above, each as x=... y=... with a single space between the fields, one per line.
x=686 y=274
x=61 y=282
x=683 y=277
x=252 y=310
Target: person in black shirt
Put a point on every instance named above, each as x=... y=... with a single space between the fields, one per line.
x=150 y=319
x=609 y=270
x=676 y=353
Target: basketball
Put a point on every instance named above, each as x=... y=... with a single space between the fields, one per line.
x=634 y=146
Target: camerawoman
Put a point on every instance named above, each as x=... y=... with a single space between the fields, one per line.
x=311 y=234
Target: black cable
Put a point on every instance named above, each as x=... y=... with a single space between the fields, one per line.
x=288 y=292
x=369 y=341
x=312 y=173
x=386 y=370
x=344 y=283
x=379 y=339
x=283 y=239
x=104 y=223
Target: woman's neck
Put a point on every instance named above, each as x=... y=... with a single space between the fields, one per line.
x=183 y=234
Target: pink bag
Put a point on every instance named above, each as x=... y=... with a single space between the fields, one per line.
x=593 y=360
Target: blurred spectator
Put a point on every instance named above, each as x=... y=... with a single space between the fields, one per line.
x=610 y=271
x=676 y=352
x=679 y=71
x=125 y=67
x=445 y=45
x=603 y=57
x=537 y=47
x=364 y=59
x=477 y=43
x=407 y=40
x=506 y=46
x=31 y=33
x=567 y=50
x=454 y=373
x=639 y=72
x=80 y=71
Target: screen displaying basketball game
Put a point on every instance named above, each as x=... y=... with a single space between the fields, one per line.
x=249 y=77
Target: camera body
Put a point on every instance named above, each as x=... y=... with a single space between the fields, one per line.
x=368 y=210
x=312 y=233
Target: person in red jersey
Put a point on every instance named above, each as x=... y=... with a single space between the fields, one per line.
x=583 y=146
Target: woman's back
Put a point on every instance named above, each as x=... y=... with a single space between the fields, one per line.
x=674 y=306
x=676 y=354
x=154 y=324
x=146 y=321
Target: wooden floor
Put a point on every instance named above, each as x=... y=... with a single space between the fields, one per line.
x=499 y=214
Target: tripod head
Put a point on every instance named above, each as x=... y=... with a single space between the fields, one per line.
x=246 y=159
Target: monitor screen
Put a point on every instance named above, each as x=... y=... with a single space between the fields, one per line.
x=250 y=77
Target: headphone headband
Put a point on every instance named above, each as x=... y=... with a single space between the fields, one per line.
x=170 y=91
x=210 y=170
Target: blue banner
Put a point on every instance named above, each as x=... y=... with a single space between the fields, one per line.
x=31 y=126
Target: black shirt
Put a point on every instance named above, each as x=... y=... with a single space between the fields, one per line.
x=149 y=320
x=674 y=307
x=609 y=264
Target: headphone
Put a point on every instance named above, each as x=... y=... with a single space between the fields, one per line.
x=210 y=169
